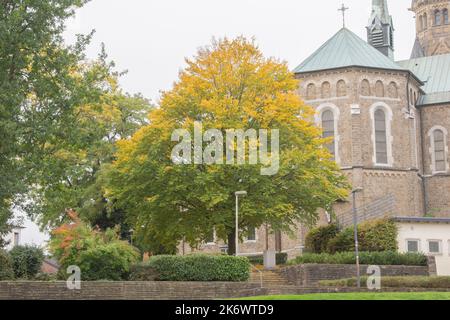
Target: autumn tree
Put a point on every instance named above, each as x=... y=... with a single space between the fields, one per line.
x=228 y=85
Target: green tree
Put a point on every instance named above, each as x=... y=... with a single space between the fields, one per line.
x=37 y=90
x=70 y=170
x=229 y=85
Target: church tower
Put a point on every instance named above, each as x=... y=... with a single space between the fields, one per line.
x=380 y=30
x=432 y=27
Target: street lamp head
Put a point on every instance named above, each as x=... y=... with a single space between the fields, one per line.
x=357 y=190
x=241 y=193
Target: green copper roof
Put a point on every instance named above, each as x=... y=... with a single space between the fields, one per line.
x=434 y=71
x=346 y=49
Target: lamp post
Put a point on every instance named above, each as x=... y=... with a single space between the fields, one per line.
x=355 y=225
x=238 y=194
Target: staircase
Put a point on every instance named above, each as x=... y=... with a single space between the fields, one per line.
x=269 y=279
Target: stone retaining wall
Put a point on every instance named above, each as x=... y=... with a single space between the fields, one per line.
x=307 y=275
x=31 y=290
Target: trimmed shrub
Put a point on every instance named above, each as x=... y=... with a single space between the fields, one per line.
x=317 y=239
x=281 y=259
x=378 y=235
x=6 y=270
x=199 y=267
x=396 y=282
x=110 y=261
x=143 y=272
x=26 y=261
x=343 y=242
x=368 y=258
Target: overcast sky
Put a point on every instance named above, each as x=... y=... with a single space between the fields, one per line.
x=151 y=38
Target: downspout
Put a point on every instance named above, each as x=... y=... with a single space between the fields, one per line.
x=422 y=142
x=422 y=176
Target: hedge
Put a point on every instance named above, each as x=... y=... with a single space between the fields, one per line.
x=376 y=235
x=317 y=239
x=6 y=270
x=26 y=261
x=281 y=259
x=395 y=282
x=198 y=267
x=368 y=258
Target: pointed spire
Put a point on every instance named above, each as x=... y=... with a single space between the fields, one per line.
x=380 y=10
x=380 y=31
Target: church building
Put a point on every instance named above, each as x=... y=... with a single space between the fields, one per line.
x=390 y=119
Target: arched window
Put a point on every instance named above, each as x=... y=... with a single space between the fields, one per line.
x=381 y=137
x=328 y=129
x=379 y=89
x=437 y=18
x=311 y=92
x=326 y=90
x=365 y=88
x=393 y=90
x=421 y=25
x=341 y=88
x=445 y=15
x=439 y=151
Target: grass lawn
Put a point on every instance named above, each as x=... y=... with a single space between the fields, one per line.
x=362 y=296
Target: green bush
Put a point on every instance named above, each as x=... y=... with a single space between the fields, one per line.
x=317 y=239
x=376 y=235
x=100 y=255
x=368 y=258
x=26 y=261
x=143 y=272
x=343 y=242
x=110 y=261
x=6 y=270
x=395 y=282
x=200 y=267
x=281 y=259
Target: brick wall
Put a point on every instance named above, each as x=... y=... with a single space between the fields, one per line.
x=128 y=290
x=310 y=274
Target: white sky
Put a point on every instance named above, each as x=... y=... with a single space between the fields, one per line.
x=151 y=38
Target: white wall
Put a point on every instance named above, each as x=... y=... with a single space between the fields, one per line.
x=424 y=232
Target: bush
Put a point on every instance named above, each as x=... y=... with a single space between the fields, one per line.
x=281 y=259
x=343 y=242
x=376 y=235
x=100 y=255
x=6 y=270
x=396 y=282
x=26 y=261
x=317 y=239
x=110 y=261
x=199 y=267
x=143 y=272
x=368 y=258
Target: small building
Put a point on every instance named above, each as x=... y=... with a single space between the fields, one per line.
x=427 y=235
